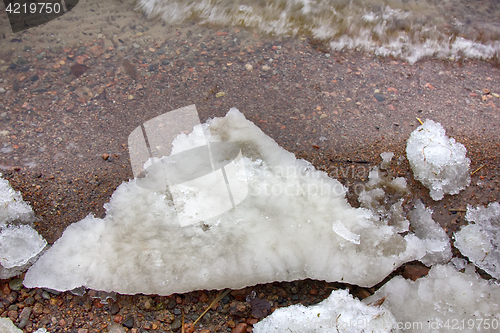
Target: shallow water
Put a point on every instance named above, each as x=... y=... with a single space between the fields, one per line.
x=407 y=29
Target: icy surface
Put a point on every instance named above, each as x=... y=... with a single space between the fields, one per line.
x=20 y=244
x=294 y=224
x=12 y=206
x=383 y=195
x=443 y=301
x=340 y=312
x=480 y=241
x=436 y=240
x=437 y=161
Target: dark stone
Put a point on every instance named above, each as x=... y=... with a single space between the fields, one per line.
x=114 y=309
x=171 y=304
x=176 y=324
x=129 y=322
x=21 y=61
x=34 y=78
x=16 y=284
x=24 y=317
x=379 y=97
x=29 y=300
x=177 y=311
x=12 y=66
x=151 y=68
x=165 y=62
x=78 y=69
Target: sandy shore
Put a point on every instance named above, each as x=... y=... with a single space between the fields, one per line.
x=64 y=133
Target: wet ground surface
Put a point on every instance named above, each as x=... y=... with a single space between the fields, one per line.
x=66 y=112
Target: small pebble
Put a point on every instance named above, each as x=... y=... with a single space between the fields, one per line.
x=129 y=322
x=220 y=94
x=130 y=97
x=16 y=284
x=249 y=67
x=24 y=317
x=2 y=90
x=266 y=68
x=176 y=324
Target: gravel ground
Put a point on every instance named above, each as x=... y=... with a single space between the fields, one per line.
x=66 y=110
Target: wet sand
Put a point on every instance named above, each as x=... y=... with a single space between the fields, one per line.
x=64 y=138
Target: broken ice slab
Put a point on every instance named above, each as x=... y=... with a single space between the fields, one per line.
x=443 y=301
x=437 y=161
x=340 y=312
x=282 y=231
x=12 y=206
x=480 y=241
x=19 y=244
x=436 y=241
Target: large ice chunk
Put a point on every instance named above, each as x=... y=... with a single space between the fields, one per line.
x=435 y=238
x=340 y=312
x=443 y=301
x=480 y=241
x=437 y=161
x=295 y=223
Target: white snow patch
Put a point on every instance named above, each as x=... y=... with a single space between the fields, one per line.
x=437 y=161
x=282 y=231
x=340 y=312
x=480 y=242
x=443 y=301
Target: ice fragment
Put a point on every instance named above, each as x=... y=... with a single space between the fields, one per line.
x=441 y=301
x=437 y=161
x=480 y=241
x=340 y=312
